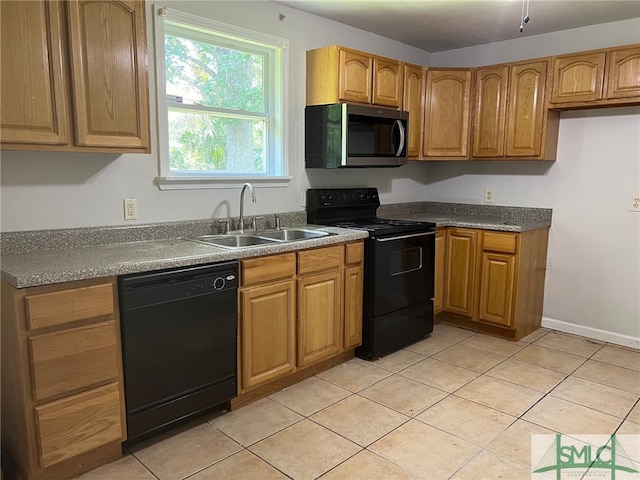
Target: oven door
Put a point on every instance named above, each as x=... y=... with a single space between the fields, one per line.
x=402 y=268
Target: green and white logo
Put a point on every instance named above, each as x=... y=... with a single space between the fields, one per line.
x=601 y=457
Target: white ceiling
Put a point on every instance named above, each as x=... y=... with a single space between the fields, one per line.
x=439 y=25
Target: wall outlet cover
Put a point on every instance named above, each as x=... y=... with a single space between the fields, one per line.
x=634 y=206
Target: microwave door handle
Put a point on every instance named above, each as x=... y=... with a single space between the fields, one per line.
x=402 y=138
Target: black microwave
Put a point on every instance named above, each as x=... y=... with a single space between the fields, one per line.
x=343 y=135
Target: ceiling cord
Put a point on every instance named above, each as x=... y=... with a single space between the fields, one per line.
x=524 y=17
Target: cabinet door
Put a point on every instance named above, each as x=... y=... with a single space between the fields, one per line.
x=414 y=104
x=497 y=288
x=320 y=319
x=623 y=73
x=109 y=73
x=440 y=267
x=32 y=87
x=446 y=124
x=355 y=76
x=490 y=112
x=526 y=109
x=267 y=349
x=353 y=283
x=578 y=78
x=78 y=424
x=461 y=271
x=387 y=82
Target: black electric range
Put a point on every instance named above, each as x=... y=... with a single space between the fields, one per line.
x=398 y=264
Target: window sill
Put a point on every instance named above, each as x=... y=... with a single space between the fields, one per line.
x=193 y=183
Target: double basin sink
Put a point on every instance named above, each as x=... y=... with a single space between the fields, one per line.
x=268 y=237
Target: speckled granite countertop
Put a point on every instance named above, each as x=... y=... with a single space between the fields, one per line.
x=44 y=257
x=45 y=267
x=485 y=217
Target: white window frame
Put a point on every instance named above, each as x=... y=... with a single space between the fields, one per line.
x=277 y=146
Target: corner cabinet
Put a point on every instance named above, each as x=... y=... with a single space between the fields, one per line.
x=336 y=74
x=511 y=119
x=447 y=114
x=62 y=387
x=598 y=78
x=300 y=313
x=495 y=280
x=74 y=76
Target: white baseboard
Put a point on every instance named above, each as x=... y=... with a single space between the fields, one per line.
x=591 y=332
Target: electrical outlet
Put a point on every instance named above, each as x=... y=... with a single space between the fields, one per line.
x=488 y=195
x=634 y=206
x=130 y=209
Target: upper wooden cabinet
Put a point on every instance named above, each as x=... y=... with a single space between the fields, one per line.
x=413 y=102
x=578 y=77
x=74 y=76
x=446 y=117
x=510 y=118
x=490 y=114
x=337 y=74
x=597 y=78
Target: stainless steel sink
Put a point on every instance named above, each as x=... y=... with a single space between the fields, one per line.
x=293 y=234
x=268 y=237
x=233 y=241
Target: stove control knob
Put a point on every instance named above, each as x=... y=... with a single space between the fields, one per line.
x=361 y=195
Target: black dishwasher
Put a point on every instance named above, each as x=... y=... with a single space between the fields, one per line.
x=179 y=344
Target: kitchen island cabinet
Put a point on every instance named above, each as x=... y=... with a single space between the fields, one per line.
x=62 y=384
x=74 y=76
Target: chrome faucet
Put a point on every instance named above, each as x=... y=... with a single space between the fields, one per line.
x=253 y=200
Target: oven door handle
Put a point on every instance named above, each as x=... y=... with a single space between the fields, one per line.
x=402 y=237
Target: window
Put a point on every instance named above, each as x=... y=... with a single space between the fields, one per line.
x=220 y=103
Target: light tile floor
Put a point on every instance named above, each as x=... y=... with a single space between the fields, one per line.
x=457 y=405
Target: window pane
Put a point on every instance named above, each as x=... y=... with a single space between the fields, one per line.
x=206 y=74
x=206 y=142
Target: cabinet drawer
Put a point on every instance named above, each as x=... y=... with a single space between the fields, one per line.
x=265 y=269
x=354 y=253
x=66 y=306
x=319 y=259
x=73 y=359
x=500 y=242
x=78 y=424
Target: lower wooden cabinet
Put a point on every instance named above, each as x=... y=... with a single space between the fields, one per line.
x=62 y=384
x=497 y=285
x=440 y=267
x=353 y=299
x=267 y=333
x=78 y=424
x=297 y=310
x=461 y=267
x=493 y=281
